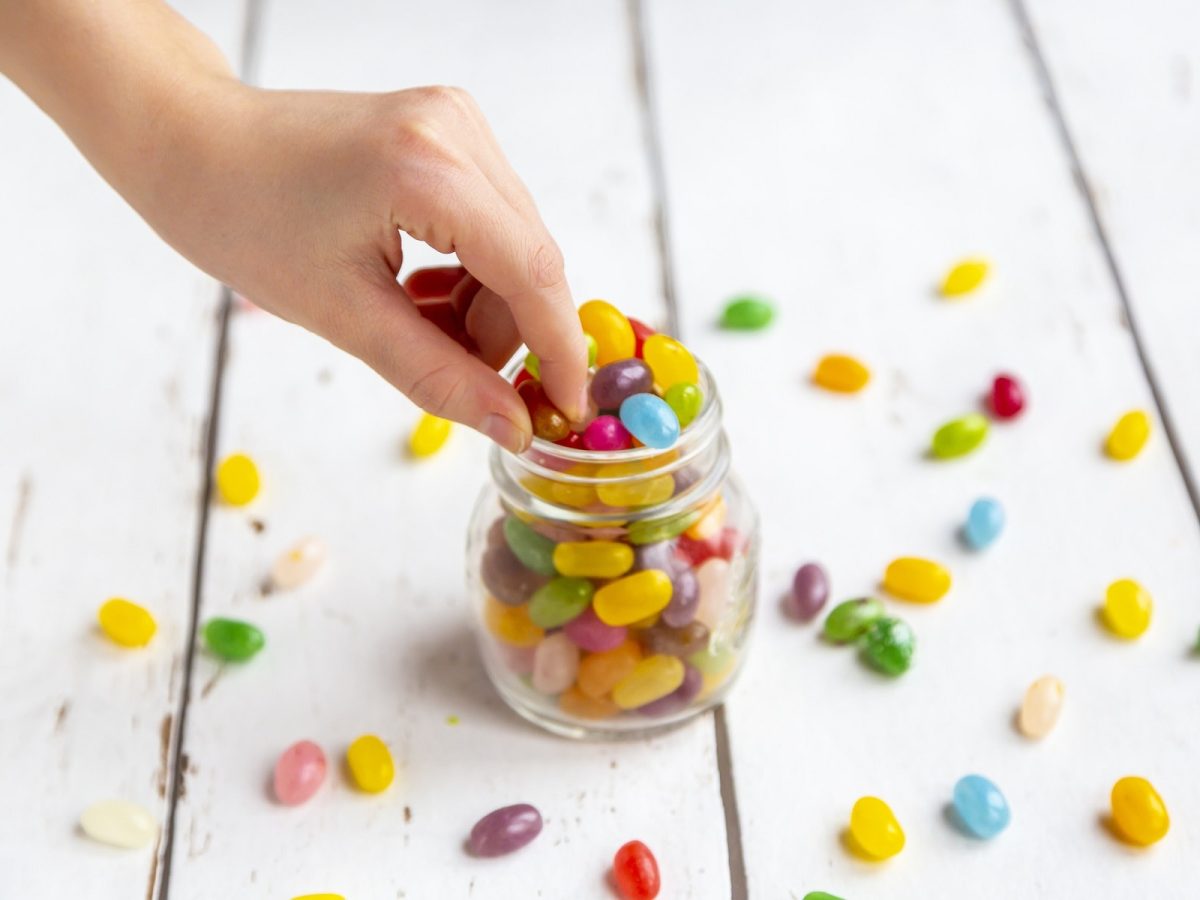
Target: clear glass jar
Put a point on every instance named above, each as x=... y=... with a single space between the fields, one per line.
x=571 y=556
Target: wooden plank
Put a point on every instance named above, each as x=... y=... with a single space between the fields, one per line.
x=380 y=642
x=840 y=158
x=105 y=365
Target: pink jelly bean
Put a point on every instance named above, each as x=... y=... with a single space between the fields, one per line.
x=587 y=632
x=299 y=772
x=607 y=433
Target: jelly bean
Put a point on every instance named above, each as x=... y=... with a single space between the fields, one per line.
x=593 y=348
x=1128 y=436
x=641 y=331
x=569 y=493
x=233 y=640
x=849 y=619
x=507 y=578
x=1127 y=608
x=670 y=361
x=888 y=646
x=633 y=597
x=655 y=555
x=958 y=437
x=685 y=598
x=589 y=633
x=505 y=830
x=965 y=277
x=714 y=579
x=606 y=433
x=533 y=367
x=688 y=690
x=593 y=559
x=1041 y=707
x=510 y=624
x=843 y=374
x=628 y=484
x=635 y=872
x=711 y=521
x=126 y=623
x=748 y=313
x=684 y=478
x=575 y=702
x=237 y=479
x=433 y=282
x=548 y=423
x=810 y=590
x=320 y=897
x=653 y=531
x=555 y=664
x=574 y=440
x=650 y=420
x=522 y=377
x=651 y=679
x=614 y=382
x=300 y=563
x=429 y=435
x=534 y=550
x=686 y=400
x=1008 y=397
x=712 y=661
x=560 y=601
x=917 y=580
x=980 y=807
x=599 y=673
x=612 y=331
x=985 y=521
x=370 y=764
x=820 y=895
x=119 y=823
x=728 y=544
x=1138 y=812
x=299 y=772
x=875 y=829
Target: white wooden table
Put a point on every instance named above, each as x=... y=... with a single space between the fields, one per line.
x=835 y=155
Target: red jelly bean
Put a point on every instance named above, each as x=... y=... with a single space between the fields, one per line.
x=574 y=440
x=1008 y=397
x=433 y=283
x=641 y=331
x=727 y=544
x=548 y=423
x=522 y=377
x=636 y=872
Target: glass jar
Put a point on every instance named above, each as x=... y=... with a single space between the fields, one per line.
x=613 y=591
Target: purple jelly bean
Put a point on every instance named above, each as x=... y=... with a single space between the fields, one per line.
x=684 y=478
x=659 y=556
x=607 y=433
x=505 y=830
x=587 y=632
x=810 y=590
x=613 y=383
x=506 y=578
x=685 y=597
x=693 y=681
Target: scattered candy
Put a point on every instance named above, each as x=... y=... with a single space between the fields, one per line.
x=980 y=806
x=685 y=400
x=298 y=564
x=964 y=278
x=635 y=871
x=1041 y=707
x=958 y=437
x=632 y=598
x=119 y=823
x=985 y=521
x=1008 y=397
x=1138 y=812
x=237 y=479
x=748 y=313
x=820 y=895
x=299 y=772
x=233 y=640
x=126 y=623
x=505 y=830
x=370 y=764
x=650 y=420
x=875 y=829
x=810 y=590
x=848 y=620
x=843 y=374
x=429 y=435
x=670 y=361
x=320 y=897
x=1128 y=436
x=1127 y=608
x=888 y=645
x=612 y=331
x=916 y=580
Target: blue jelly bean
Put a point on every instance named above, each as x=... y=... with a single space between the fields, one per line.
x=985 y=521
x=649 y=419
x=980 y=806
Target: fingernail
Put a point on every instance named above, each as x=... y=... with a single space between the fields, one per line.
x=505 y=433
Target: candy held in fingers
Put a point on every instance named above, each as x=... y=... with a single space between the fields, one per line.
x=612 y=331
x=1138 y=812
x=126 y=623
x=505 y=830
x=875 y=829
x=635 y=872
x=916 y=580
x=1041 y=707
x=233 y=640
x=299 y=772
x=299 y=563
x=370 y=764
x=237 y=479
x=810 y=591
x=548 y=422
x=650 y=420
x=1128 y=436
x=980 y=806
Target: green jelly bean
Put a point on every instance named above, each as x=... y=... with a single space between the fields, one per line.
x=820 y=895
x=652 y=531
x=685 y=399
x=593 y=349
x=233 y=640
x=747 y=313
x=536 y=551
x=850 y=618
x=711 y=661
x=560 y=601
x=958 y=437
x=532 y=366
x=888 y=646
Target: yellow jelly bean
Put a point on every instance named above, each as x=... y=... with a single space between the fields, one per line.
x=612 y=331
x=626 y=489
x=1128 y=436
x=633 y=597
x=568 y=493
x=127 y=623
x=711 y=521
x=600 y=672
x=875 y=829
x=237 y=479
x=916 y=580
x=320 y=897
x=593 y=559
x=1127 y=608
x=670 y=361
x=844 y=374
x=370 y=764
x=511 y=624
x=429 y=435
x=964 y=277
x=651 y=679
x=1138 y=812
